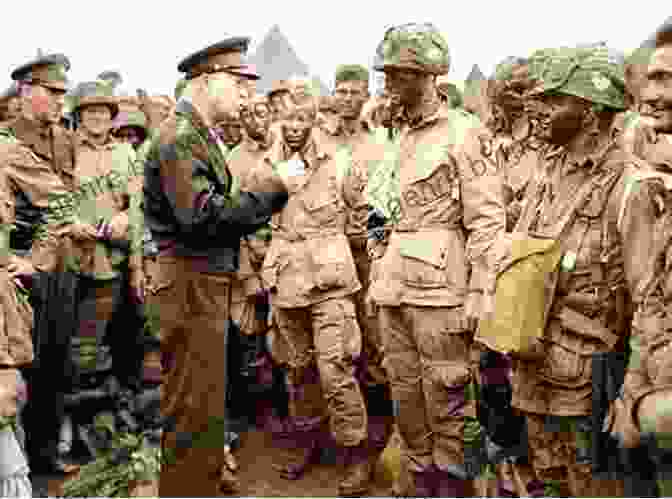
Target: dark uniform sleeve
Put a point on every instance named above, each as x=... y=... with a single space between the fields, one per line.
x=201 y=206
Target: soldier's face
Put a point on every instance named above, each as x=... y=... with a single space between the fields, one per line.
x=279 y=103
x=296 y=126
x=257 y=120
x=228 y=94
x=96 y=119
x=556 y=118
x=657 y=92
x=388 y=110
x=231 y=133
x=43 y=104
x=406 y=84
x=350 y=97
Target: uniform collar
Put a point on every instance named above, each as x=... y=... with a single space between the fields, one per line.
x=431 y=112
x=85 y=140
x=35 y=135
x=342 y=131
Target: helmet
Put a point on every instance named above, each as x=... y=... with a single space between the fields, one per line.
x=594 y=73
x=94 y=92
x=413 y=46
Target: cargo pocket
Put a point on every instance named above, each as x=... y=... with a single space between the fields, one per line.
x=568 y=359
x=330 y=267
x=352 y=334
x=424 y=262
x=447 y=396
x=323 y=209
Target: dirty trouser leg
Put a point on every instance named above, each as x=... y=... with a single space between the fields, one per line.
x=192 y=308
x=403 y=366
x=306 y=401
x=338 y=343
x=371 y=372
x=553 y=455
x=444 y=344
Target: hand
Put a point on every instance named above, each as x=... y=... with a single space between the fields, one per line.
x=20 y=267
x=137 y=286
x=267 y=180
x=8 y=393
x=82 y=231
x=114 y=230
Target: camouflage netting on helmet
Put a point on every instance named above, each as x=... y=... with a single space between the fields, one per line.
x=413 y=46
x=351 y=72
x=594 y=73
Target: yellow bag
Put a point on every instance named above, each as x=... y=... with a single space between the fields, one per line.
x=393 y=469
x=523 y=294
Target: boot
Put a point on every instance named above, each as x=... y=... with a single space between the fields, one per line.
x=298 y=449
x=425 y=482
x=357 y=479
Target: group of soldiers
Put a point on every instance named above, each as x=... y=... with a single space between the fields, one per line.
x=485 y=276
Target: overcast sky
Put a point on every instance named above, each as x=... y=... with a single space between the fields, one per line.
x=145 y=39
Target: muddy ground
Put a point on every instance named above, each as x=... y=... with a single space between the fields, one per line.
x=257 y=477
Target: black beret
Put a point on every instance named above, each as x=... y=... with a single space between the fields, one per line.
x=48 y=69
x=232 y=44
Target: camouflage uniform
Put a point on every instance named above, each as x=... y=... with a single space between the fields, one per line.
x=516 y=148
x=640 y=416
x=312 y=276
x=359 y=143
x=451 y=212
x=575 y=198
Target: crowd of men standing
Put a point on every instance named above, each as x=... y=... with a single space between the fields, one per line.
x=488 y=278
